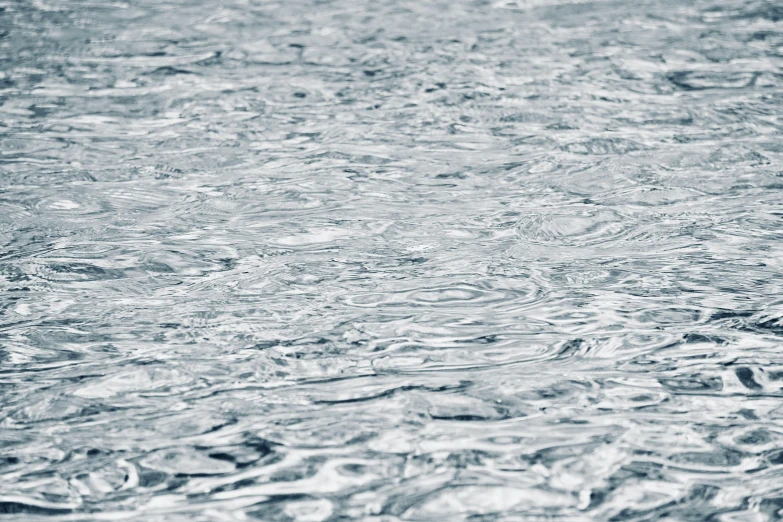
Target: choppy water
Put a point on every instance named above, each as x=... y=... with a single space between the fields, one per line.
x=391 y=260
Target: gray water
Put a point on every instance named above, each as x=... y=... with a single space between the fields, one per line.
x=391 y=260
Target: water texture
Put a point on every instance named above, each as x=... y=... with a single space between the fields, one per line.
x=391 y=260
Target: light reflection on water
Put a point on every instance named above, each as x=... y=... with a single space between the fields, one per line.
x=391 y=260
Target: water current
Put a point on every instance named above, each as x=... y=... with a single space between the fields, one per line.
x=391 y=260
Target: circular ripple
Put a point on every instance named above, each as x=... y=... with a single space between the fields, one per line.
x=72 y=205
x=456 y=296
x=580 y=227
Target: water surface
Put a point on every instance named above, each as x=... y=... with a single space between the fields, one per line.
x=391 y=260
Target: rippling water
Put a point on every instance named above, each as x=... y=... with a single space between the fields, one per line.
x=391 y=260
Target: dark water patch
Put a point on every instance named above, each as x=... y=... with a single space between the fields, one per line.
x=745 y=376
x=693 y=384
x=21 y=508
x=696 y=80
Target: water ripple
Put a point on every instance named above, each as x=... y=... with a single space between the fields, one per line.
x=467 y=260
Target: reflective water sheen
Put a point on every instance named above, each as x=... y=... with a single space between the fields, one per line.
x=391 y=260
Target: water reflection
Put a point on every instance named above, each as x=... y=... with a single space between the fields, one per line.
x=391 y=260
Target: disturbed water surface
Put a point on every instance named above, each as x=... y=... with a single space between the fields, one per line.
x=391 y=260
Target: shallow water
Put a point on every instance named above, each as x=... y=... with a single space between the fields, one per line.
x=391 y=260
